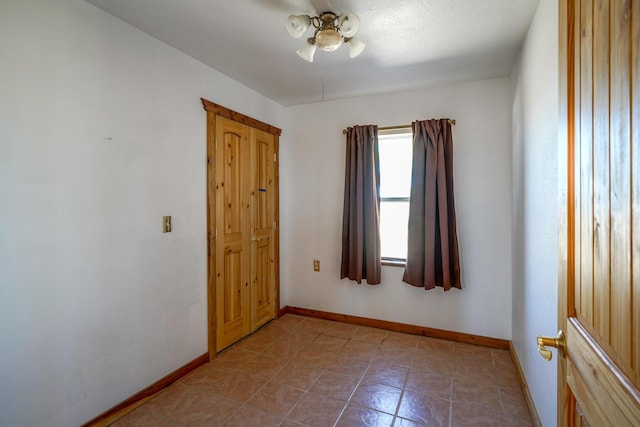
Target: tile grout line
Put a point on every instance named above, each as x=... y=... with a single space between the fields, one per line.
x=304 y=392
x=361 y=379
x=396 y=415
x=358 y=383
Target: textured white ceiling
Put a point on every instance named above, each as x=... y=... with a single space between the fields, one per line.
x=410 y=43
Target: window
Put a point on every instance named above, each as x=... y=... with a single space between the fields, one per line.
x=395 y=149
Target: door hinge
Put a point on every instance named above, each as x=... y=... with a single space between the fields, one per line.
x=216 y=142
x=274 y=225
x=216 y=234
x=274 y=157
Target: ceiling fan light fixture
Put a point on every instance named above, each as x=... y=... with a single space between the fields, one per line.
x=355 y=46
x=330 y=31
x=297 y=25
x=307 y=51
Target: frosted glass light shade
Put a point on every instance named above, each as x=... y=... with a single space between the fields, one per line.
x=355 y=47
x=297 y=25
x=306 y=52
x=349 y=24
x=328 y=40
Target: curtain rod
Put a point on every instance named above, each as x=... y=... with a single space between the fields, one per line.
x=451 y=121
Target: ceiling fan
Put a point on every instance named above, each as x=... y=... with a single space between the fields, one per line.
x=331 y=30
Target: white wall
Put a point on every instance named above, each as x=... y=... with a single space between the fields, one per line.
x=95 y=302
x=312 y=186
x=535 y=204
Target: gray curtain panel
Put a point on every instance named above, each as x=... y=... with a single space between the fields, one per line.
x=432 y=258
x=361 y=213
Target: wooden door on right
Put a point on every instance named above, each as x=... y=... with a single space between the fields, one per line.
x=599 y=292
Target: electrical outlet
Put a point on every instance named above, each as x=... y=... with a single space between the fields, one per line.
x=166 y=224
x=316 y=265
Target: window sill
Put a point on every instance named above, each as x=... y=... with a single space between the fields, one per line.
x=391 y=263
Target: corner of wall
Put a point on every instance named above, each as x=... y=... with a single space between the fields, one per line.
x=534 y=205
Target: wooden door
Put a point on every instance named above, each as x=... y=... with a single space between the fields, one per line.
x=233 y=231
x=263 y=191
x=242 y=223
x=599 y=281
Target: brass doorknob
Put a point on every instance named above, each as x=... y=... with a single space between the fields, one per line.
x=557 y=342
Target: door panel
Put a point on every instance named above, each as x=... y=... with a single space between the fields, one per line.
x=232 y=284
x=620 y=185
x=263 y=283
x=584 y=209
x=263 y=179
x=600 y=311
x=233 y=310
x=233 y=235
x=263 y=192
x=597 y=118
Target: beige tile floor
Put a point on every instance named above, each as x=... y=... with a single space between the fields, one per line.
x=300 y=371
